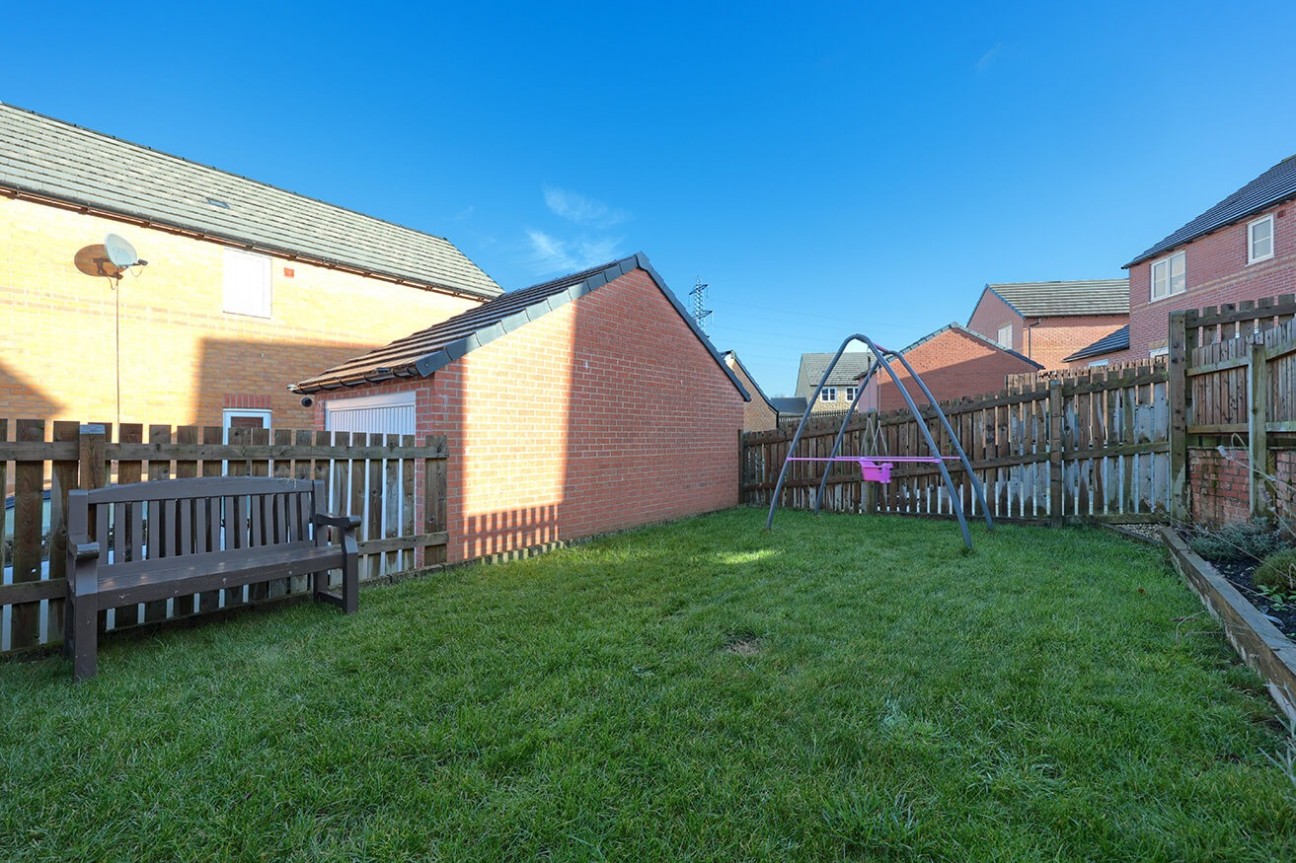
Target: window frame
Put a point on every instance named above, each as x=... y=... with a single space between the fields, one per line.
x=1168 y=262
x=828 y=394
x=233 y=413
x=850 y=393
x=1163 y=351
x=1251 y=226
x=1000 y=336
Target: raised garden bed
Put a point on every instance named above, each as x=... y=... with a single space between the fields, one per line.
x=1256 y=638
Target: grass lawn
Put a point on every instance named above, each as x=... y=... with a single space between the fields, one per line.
x=842 y=688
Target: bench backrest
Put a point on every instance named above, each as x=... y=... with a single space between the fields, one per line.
x=170 y=518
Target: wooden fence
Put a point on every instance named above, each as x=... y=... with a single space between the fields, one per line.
x=1091 y=444
x=395 y=486
x=1234 y=373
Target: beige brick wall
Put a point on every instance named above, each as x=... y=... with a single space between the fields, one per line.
x=182 y=358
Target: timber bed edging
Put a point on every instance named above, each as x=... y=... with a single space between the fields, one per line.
x=1257 y=641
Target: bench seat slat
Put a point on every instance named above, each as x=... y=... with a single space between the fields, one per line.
x=144 y=581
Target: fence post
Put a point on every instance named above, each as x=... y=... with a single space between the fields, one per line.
x=1055 y=452
x=1177 y=391
x=1259 y=489
x=90 y=454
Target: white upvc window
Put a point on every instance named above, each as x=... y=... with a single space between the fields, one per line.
x=850 y=393
x=1097 y=364
x=1158 y=352
x=1005 y=336
x=829 y=394
x=247 y=284
x=1169 y=276
x=1260 y=240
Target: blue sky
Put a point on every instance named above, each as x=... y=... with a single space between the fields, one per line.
x=827 y=168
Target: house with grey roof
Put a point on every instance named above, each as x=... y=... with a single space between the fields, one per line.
x=1047 y=321
x=840 y=388
x=578 y=406
x=235 y=288
x=1242 y=248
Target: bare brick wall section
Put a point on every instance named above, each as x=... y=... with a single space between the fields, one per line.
x=953 y=365
x=1218 y=486
x=183 y=359
x=604 y=414
x=1216 y=272
x=1055 y=338
x=1220 y=491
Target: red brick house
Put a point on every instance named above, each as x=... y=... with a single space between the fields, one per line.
x=575 y=407
x=1243 y=248
x=954 y=362
x=1047 y=321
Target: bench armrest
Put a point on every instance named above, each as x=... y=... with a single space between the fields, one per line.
x=82 y=548
x=345 y=522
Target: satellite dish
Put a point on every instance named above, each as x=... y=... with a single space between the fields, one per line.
x=120 y=252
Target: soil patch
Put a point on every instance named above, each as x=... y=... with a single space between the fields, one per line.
x=1239 y=575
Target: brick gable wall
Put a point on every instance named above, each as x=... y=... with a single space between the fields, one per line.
x=183 y=359
x=952 y=365
x=604 y=414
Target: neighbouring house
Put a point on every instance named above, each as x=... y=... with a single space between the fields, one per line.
x=839 y=391
x=1048 y=321
x=759 y=414
x=583 y=405
x=954 y=362
x=1243 y=248
x=247 y=287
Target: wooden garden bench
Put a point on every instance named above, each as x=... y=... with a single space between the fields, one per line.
x=174 y=538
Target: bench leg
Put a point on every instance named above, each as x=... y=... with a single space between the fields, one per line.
x=350 y=585
x=82 y=630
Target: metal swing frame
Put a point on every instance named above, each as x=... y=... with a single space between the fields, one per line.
x=880 y=360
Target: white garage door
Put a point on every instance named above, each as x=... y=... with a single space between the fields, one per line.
x=385 y=414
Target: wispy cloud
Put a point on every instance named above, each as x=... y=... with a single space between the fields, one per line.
x=465 y=213
x=988 y=58
x=577 y=208
x=550 y=254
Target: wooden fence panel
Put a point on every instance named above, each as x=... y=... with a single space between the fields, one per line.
x=373 y=478
x=1076 y=445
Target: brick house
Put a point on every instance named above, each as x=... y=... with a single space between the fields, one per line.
x=1243 y=248
x=583 y=405
x=839 y=391
x=247 y=287
x=1047 y=321
x=759 y=414
x=954 y=362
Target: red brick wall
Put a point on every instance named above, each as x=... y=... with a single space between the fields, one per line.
x=953 y=365
x=604 y=414
x=1055 y=338
x=992 y=313
x=1216 y=272
x=1218 y=486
